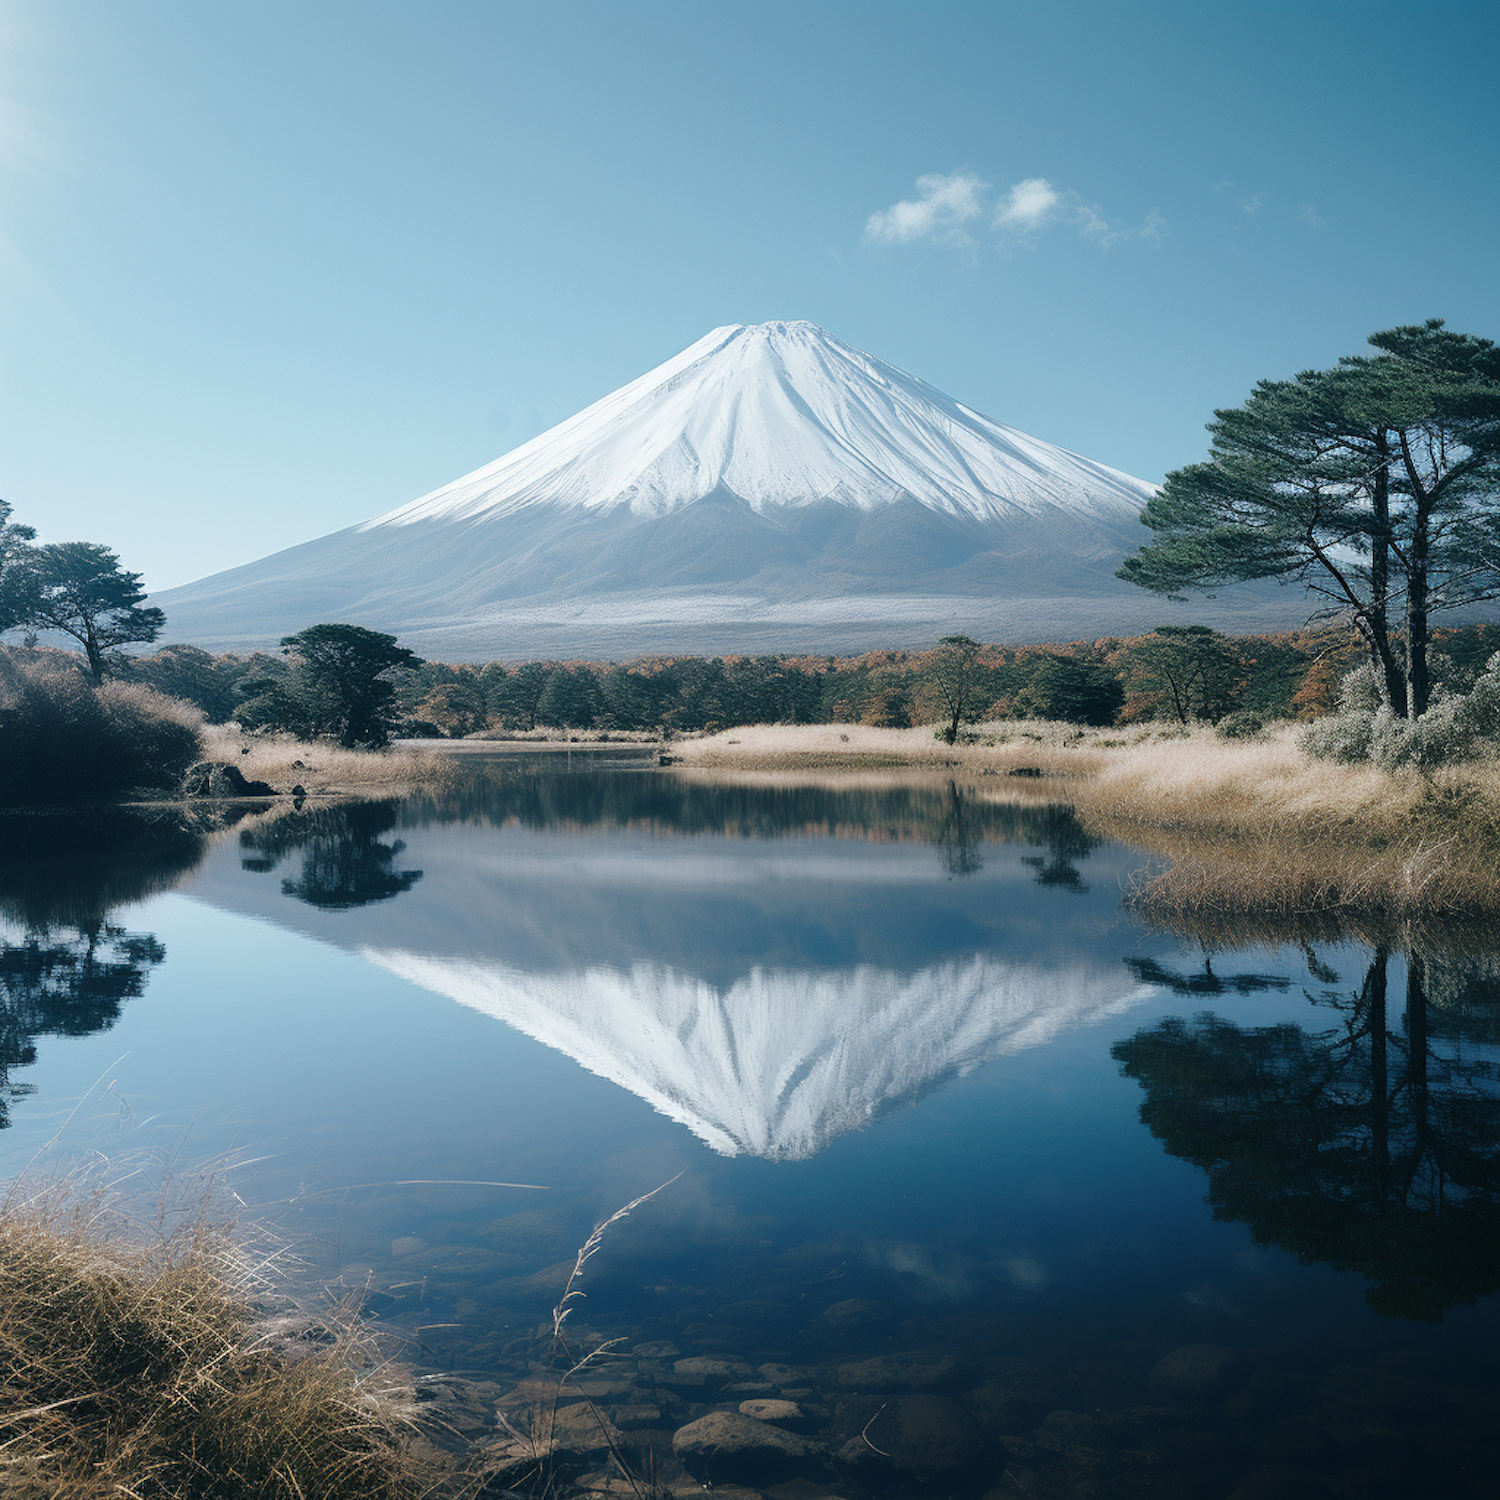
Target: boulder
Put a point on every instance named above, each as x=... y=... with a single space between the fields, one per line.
x=578 y=1430
x=854 y=1314
x=209 y=778
x=657 y=1349
x=636 y=1415
x=779 y=1414
x=701 y=1374
x=899 y=1372
x=940 y=1441
x=727 y=1445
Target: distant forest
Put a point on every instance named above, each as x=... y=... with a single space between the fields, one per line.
x=1174 y=673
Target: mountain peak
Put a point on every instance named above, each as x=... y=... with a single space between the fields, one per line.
x=781 y=415
x=768 y=488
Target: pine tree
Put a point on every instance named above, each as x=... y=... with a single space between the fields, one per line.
x=1375 y=484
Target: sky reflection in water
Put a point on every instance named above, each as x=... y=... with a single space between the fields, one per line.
x=903 y=1041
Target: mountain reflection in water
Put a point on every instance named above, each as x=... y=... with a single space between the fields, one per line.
x=775 y=966
x=781 y=1063
x=764 y=1054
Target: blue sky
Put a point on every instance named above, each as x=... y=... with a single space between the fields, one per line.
x=267 y=269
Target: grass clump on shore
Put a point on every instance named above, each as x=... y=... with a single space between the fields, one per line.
x=1248 y=825
x=319 y=767
x=141 y=1370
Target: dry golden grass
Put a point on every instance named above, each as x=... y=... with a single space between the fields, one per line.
x=320 y=768
x=1249 y=828
x=136 y=1369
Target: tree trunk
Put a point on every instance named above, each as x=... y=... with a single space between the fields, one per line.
x=1380 y=583
x=95 y=657
x=1416 y=618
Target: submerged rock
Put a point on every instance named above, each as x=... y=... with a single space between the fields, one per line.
x=1198 y=1372
x=657 y=1349
x=700 y=1374
x=941 y=1441
x=727 y=1445
x=785 y=1414
x=899 y=1372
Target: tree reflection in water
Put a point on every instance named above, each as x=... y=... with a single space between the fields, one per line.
x=344 y=863
x=66 y=982
x=1369 y=1147
x=65 y=968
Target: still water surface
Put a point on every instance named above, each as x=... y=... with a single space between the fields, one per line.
x=930 y=1091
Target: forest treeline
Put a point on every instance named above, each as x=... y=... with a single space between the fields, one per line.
x=1179 y=673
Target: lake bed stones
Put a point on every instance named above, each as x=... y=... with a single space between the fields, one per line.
x=785 y=1414
x=940 y=1441
x=701 y=1374
x=899 y=1372
x=729 y=1446
x=1198 y=1373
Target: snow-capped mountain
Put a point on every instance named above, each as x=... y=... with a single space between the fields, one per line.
x=770 y=487
x=782 y=415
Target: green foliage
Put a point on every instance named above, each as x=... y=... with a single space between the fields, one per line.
x=570 y=700
x=337 y=688
x=1375 y=484
x=196 y=676
x=17 y=579
x=1456 y=728
x=1242 y=724
x=82 y=591
x=952 y=681
x=1075 y=689
x=1196 y=672
x=64 y=739
x=515 y=698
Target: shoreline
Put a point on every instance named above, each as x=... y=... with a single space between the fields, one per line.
x=1253 y=830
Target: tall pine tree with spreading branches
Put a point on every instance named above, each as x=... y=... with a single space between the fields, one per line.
x=1375 y=484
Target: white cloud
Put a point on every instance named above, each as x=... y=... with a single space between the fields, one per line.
x=943 y=206
x=946 y=204
x=1311 y=217
x=1028 y=205
x=1152 y=230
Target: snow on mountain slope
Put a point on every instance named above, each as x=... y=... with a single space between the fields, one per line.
x=780 y=1063
x=770 y=488
x=781 y=414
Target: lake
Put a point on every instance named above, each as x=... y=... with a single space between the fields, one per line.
x=1007 y=1190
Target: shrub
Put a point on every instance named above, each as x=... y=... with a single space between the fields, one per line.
x=1457 y=727
x=1242 y=724
x=64 y=740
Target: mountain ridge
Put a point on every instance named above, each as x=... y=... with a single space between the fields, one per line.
x=769 y=488
x=780 y=413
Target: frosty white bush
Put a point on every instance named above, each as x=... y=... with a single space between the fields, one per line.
x=1456 y=727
